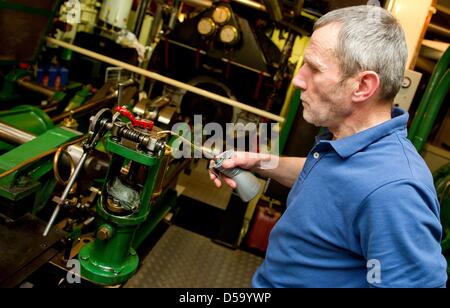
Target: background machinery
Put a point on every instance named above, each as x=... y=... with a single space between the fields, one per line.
x=89 y=90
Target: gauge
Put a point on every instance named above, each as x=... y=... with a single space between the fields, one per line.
x=229 y=34
x=221 y=14
x=206 y=26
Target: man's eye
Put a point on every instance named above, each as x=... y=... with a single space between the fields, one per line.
x=312 y=67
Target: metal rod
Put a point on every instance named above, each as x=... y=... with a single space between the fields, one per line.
x=208 y=3
x=167 y=80
x=201 y=3
x=85 y=107
x=439 y=30
x=66 y=192
x=14 y=135
x=443 y=9
x=157 y=20
x=120 y=87
x=252 y=4
x=142 y=9
x=35 y=87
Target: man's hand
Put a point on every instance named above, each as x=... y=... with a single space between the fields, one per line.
x=284 y=170
x=244 y=160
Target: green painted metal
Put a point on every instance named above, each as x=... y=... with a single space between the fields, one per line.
x=426 y=124
x=79 y=98
x=165 y=203
x=27 y=118
x=290 y=118
x=123 y=151
x=420 y=130
x=10 y=89
x=442 y=184
x=111 y=259
x=24 y=181
x=445 y=212
x=58 y=97
x=44 y=193
x=439 y=71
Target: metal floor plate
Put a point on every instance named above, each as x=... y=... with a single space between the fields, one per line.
x=183 y=259
x=23 y=249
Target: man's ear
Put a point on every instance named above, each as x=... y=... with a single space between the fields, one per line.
x=366 y=86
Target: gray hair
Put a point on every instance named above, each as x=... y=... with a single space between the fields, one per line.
x=370 y=39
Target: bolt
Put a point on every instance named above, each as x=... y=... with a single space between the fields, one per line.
x=22 y=181
x=104 y=233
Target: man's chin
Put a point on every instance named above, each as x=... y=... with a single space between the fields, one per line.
x=310 y=119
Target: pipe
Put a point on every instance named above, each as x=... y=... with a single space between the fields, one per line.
x=443 y=9
x=157 y=20
x=35 y=87
x=439 y=30
x=166 y=80
x=14 y=135
x=201 y=3
x=439 y=71
x=252 y=4
x=438 y=95
x=425 y=64
x=142 y=9
x=174 y=14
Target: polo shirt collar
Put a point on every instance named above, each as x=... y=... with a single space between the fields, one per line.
x=348 y=146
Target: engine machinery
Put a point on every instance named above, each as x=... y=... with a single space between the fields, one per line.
x=86 y=171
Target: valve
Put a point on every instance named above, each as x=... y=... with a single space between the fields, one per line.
x=145 y=124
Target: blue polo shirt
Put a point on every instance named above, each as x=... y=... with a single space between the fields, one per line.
x=363 y=212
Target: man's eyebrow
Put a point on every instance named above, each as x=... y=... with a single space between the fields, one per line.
x=310 y=61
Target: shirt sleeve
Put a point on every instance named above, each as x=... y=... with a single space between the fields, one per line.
x=400 y=232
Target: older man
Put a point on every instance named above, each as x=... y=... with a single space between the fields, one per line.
x=362 y=210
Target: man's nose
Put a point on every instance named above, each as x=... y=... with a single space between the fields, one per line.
x=299 y=80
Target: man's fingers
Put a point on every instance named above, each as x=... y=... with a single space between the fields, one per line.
x=244 y=160
x=214 y=178
x=229 y=163
x=217 y=182
x=230 y=182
